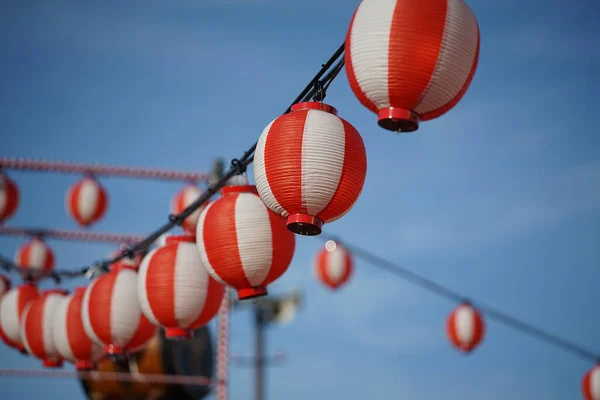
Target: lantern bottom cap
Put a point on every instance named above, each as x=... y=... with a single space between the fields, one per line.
x=178 y=333
x=398 y=119
x=252 y=292
x=113 y=350
x=82 y=365
x=304 y=224
x=50 y=363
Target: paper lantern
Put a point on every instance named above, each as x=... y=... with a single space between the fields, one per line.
x=590 y=385
x=4 y=285
x=111 y=314
x=86 y=201
x=175 y=291
x=12 y=306
x=310 y=167
x=183 y=200
x=68 y=333
x=465 y=328
x=411 y=60
x=333 y=265
x=35 y=258
x=36 y=327
x=242 y=243
x=9 y=197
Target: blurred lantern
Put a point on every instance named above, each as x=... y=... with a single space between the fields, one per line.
x=12 y=306
x=86 y=201
x=237 y=180
x=411 y=60
x=310 y=167
x=590 y=385
x=182 y=200
x=35 y=258
x=333 y=265
x=9 y=197
x=174 y=289
x=36 y=327
x=4 y=285
x=242 y=243
x=111 y=312
x=68 y=333
x=465 y=328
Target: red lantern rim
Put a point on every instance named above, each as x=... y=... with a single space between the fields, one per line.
x=239 y=189
x=313 y=105
x=180 y=239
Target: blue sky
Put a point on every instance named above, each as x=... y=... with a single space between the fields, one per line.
x=498 y=199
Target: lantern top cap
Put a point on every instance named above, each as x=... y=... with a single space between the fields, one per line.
x=239 y=189
x=55 y=291
x=314 y=105
x=180 y=239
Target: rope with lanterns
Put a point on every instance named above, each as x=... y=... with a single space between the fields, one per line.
x=310 y=166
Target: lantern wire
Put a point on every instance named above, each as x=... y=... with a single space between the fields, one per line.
x=442 y=291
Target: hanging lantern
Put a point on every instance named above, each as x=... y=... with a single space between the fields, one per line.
x=111 y=312
x=12 y=306
x=242 y=243
x=411 y=60
x=310 y=167
x=182 y=200
x=333 y=265
x=9 y=197
x=36 y=327
x=465 y=328
x=68 y=333
x=174 y=289
x=86 y=201
x=35 y=257
x=4 y=285
x=590 y=385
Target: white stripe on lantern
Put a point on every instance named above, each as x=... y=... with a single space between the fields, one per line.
x=37 y=252
x=323 y=145
x=9 y=312
x=260 y=175
x=464 y=323
x=336 y=265
x=251 y=215
x=22 y=331
x=187 y=282
x=85 y=315
x=124 y=308
x=369 y=49
x=51 y=302
x=202 y=249
x=59 y=331
x=191 y=194
x=87 y=201
x=141 y=286
x=595 y=383
x=453 y=66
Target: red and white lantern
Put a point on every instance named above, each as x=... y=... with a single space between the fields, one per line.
x=590 y=385
x=465 y=328
x=9 y=197
x=175 y=290
x=35 y=257
x=4 y=285
x=12 y=306
x=242 y=243
x=183 y=200
x=68 y=333
x=36 y=327
x=111 y=313
x=411 y=60
x=86 y=201
x=310 y=167
x=333 y=265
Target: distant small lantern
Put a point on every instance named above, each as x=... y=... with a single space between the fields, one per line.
x=9 y=197
x=12 y=306
x=411 y=60
x=35 y=258
x=182 y=200
x=175 y=291
x=86 y=201
x=590 y=384
x=310 y=167
x=242 y=243
x=465 y=328
x=333 y=265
